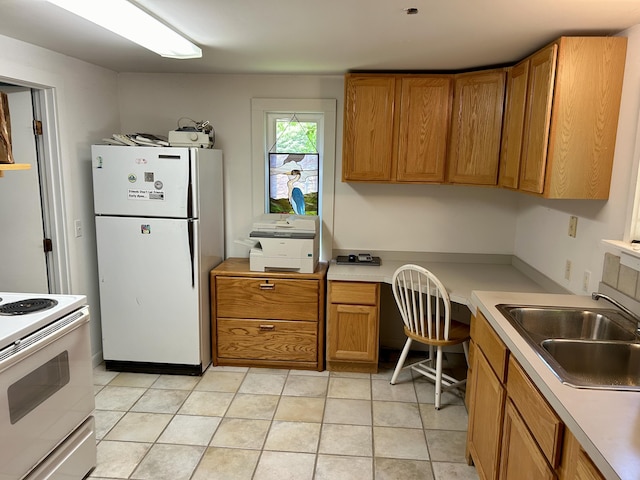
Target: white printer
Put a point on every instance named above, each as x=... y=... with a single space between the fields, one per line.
x=286 y=242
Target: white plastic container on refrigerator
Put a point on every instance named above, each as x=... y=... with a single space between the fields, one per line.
x=159 y=231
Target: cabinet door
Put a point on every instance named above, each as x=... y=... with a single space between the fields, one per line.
x=584 y=119
x=521 y=457
x=353 y=333
x=512 y=130
x=537 y=121
x=486 y=409
x=476 y=127
x=367 y=148
x=425 y=108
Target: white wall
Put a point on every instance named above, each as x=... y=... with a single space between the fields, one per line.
x=367 y=216
x=86 y=98
x=541 y=231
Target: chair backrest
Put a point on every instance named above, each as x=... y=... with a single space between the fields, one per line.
x=423 y=302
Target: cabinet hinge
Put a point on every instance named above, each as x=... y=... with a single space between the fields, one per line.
x=47 y=244
x=37 y=127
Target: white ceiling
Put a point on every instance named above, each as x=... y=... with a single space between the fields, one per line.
x=325 y=36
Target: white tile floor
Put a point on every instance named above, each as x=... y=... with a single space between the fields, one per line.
x=262 y=424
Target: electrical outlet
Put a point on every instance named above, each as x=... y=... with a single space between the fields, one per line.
x=585 y=280
x=573 y=226
x=567 y=270
x=77 y=225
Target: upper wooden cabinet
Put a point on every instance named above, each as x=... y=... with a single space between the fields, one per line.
x=513 y=126
x=571 y=117
x=553 y=134
x=368 y=127
x=474 y=149
x=396 y=127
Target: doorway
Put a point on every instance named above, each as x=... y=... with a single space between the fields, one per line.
x=31 y=201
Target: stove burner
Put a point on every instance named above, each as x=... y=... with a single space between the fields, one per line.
x=27 y=306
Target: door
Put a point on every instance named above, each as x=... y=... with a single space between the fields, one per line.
x=424 y=128
x=148 y=289
x=141 y=181
x=367 y=149
x=22 y=256
x=476 y=127
x=513 y=127
x=538 y=119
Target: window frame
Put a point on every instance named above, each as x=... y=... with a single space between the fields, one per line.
x=263 y=110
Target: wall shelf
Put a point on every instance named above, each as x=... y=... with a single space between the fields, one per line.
x=13 y=166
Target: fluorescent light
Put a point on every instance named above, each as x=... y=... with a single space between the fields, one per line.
x=130 y=22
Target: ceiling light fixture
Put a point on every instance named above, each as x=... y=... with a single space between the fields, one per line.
x=129 y=21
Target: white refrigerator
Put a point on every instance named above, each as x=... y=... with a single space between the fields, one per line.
x=159 y=231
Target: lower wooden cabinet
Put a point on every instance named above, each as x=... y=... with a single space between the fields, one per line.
x=576 y=464
x=268 y=319
x=486 y=399
x=352 y=326
x=520 y=458
x=513 y=432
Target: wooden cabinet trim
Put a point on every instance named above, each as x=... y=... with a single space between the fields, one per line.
x=354 y=293
x=520 y=453
x=513 y=125
x=494 y=349
x=284 y=299
x=540 y=418
x=484 y=433
x=476 y=127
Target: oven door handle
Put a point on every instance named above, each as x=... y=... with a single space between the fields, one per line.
x=38 y=340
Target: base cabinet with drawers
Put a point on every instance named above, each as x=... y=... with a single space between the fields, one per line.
x=513 y=432
x=352 y=326
x=267 y=319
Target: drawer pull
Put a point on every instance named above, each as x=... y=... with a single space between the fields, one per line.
x=267 y=286
x=267 y=327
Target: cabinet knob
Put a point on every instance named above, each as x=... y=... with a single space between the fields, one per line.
x=267 y=327
x=267 y=286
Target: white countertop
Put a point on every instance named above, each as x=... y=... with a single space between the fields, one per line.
x=605 y=422
x=460 y=279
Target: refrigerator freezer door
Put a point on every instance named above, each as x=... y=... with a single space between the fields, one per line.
x=149 y=291
x=142 y=181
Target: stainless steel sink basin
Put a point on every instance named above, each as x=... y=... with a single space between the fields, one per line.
x=586 y=348
x=556 y=322
x=601 y=363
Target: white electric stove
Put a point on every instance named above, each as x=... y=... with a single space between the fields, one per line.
x=46 y=387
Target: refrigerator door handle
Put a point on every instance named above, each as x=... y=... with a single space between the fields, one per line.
x=191 y=252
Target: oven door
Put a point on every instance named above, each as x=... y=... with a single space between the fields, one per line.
x=46 y=392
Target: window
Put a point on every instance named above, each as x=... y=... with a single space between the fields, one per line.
x=293 y=147
x=294 y=173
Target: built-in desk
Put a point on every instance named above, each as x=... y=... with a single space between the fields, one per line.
x=353 y=299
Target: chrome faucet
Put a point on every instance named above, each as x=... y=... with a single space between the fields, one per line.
x=597 y=295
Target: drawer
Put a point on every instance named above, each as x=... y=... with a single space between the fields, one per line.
x=267 y=340
x=542 y=421
x=354 y=293
x=490 y=344
x=282 y=299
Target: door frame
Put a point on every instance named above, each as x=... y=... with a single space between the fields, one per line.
x=52 y=189
x=51 y=180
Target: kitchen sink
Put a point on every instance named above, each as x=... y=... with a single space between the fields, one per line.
x=602 y=363
x=585 y=348
x=556 y=322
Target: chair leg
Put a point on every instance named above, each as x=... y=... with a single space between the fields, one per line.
x=401 y=360
x=465 y=347
x=438 y=376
